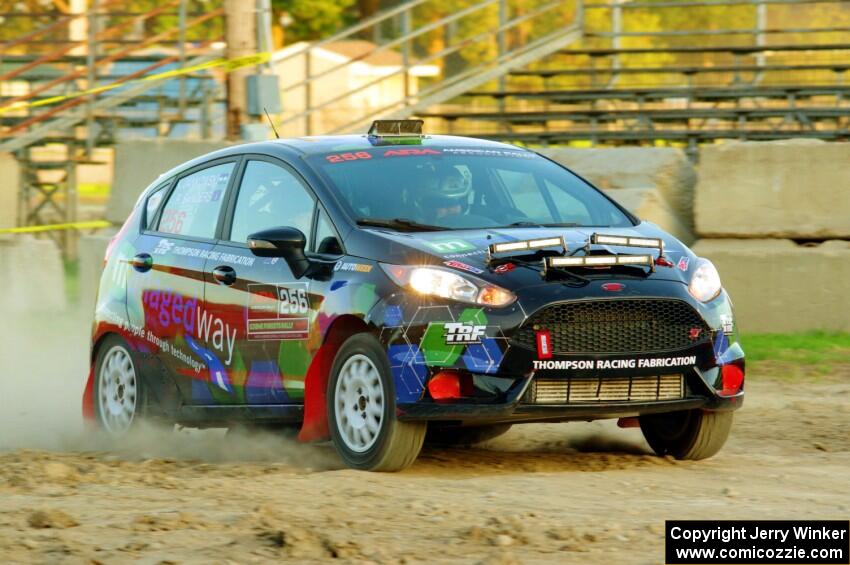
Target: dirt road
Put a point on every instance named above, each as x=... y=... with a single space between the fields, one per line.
x=565 y=493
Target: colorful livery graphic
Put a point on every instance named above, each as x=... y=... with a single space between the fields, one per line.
x=387 y=290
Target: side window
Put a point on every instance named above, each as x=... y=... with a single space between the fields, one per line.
x=270 y=197
x=194 y=204
x=525 y=194
x=152 y=205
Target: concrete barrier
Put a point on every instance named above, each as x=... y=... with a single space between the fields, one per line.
x=648 y=204
x=35 y=276
x=140 y=162
x=778 y=286
x=667 y=170
x=10 y=173
x=796 y=189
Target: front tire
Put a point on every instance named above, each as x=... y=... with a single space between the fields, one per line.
x=119 y=395
x=361 y=410
x=690 y=434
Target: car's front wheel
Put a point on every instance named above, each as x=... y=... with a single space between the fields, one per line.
x=361 y=410
x=689 y=434
x=118 y=391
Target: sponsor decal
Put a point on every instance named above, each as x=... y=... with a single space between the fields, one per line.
x=488 y=152
x=607 y=364
x=163 y=247
x=613 y=287
x=683 y=263
x=504 y=268
x=450 y=246
x=465 y=255
x=353 y=267
x=410 y=152
x=727 y=324
x=544 y=345
x=463 y=267
x=459 y=333
x=278 y=311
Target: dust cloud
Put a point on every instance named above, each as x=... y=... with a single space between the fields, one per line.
x=42 y=377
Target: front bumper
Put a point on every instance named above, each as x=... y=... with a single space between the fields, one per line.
x=512 y=407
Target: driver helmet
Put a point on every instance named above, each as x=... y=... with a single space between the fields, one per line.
x=443 y=188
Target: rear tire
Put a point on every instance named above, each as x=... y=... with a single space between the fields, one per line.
x=456 y=436
x=690 y=434
x=119 y=393
x=362 y=412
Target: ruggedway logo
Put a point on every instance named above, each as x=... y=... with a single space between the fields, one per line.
x=458 y=333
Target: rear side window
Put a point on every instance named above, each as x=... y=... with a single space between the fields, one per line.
x=194 y=204
x=152 y=205
x=270 y=197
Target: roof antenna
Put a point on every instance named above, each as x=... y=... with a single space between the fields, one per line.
x=271 y=123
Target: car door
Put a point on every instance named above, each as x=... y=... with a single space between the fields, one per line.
x=165 y=290
x=265 y=312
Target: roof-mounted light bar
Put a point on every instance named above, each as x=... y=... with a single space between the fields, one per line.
x=626 y=241
x=396 y=128
x=599 y=261
x=526 y=245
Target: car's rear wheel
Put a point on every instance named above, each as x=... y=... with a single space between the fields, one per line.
x=689 y=434
x=457 y=436
x=118 y=391
x=361 y=410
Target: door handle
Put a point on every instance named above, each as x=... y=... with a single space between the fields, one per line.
x=224 y=275
x=142 y=262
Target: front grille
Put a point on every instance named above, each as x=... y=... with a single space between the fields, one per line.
x=580 y=390
x=616 y=326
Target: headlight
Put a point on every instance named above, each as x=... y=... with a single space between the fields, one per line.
x=433 y=281
x=705 y=283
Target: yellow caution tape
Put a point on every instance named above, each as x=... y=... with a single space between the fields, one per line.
x=94 y=224
x=228 y=65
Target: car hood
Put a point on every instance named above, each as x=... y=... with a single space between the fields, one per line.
x=465 y=250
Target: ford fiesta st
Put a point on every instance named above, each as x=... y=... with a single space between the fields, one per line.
x=388 y=289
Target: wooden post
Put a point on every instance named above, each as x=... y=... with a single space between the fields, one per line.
x=241 y=36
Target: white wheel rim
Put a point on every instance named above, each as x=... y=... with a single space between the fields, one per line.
x=359 y=403
x=117 y=387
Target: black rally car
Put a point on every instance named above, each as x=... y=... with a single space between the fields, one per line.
x=372 y=288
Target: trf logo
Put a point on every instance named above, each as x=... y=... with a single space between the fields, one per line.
x=459 y=333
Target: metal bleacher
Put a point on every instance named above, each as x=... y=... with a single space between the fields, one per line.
x=52 y=128
x=671 y=86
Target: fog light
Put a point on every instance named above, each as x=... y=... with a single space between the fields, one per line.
x=443 y=385
x=733 y=379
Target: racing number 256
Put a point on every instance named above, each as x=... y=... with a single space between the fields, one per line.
x=293 y=301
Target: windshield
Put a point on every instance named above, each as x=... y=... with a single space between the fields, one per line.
x=416 y=188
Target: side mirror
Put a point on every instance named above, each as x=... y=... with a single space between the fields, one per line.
x=283 y=242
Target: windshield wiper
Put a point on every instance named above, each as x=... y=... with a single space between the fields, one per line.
x=400 y=224
x=532 y=224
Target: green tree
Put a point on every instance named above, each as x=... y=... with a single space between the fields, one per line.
x=315 y=19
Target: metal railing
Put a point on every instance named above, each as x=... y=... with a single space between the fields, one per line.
x=449 y=51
